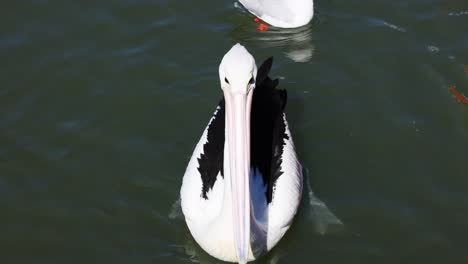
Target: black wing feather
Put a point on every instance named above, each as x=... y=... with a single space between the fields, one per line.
x=210 y=162
x=268 y=130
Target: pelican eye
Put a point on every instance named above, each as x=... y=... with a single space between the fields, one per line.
x=226 y=80
x=252 y=81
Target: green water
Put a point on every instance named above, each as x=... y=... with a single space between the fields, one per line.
x=101 y=105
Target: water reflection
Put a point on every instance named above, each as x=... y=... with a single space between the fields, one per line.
x=296 y=42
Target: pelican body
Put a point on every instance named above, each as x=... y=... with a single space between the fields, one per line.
x=282 y=13
x=243 y=183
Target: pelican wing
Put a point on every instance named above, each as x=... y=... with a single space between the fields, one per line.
x=210 y=162
x=268 y=129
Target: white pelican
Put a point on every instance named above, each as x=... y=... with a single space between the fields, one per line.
x=243 y=184
x=281 y=13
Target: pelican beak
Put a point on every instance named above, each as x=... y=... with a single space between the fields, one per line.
x=238 y=107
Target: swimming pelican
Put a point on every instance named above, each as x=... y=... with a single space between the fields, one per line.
x=243 y=183
x=281 y=13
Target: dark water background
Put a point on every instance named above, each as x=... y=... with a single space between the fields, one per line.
x=102 y=103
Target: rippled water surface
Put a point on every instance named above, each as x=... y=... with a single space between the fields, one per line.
x=101 y=104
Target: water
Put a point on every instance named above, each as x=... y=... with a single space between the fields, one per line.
x=101 y=105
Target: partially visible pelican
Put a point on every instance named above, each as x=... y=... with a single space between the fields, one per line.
x=243 y=184
x=282 y=13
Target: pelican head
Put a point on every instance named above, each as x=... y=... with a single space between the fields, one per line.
x=237 y=73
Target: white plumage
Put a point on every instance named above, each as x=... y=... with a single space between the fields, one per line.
x=282 y=13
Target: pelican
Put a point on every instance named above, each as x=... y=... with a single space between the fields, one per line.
x=281 y=13
x=243 y=183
